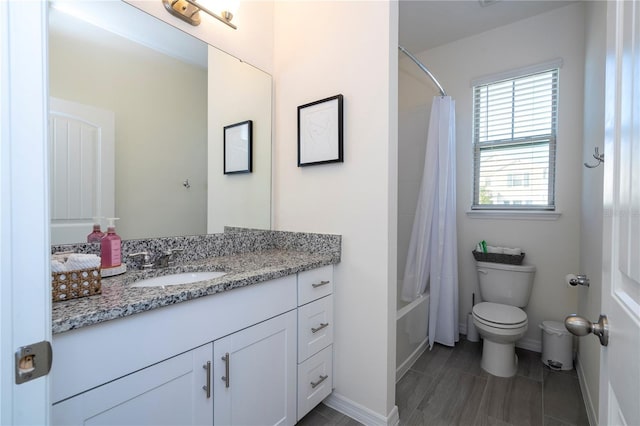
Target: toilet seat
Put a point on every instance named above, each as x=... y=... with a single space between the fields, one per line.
x=499 y=316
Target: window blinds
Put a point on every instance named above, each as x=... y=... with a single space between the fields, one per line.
x=515 y=141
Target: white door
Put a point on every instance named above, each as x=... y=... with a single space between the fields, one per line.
x=82 y=168
x=620 y=367
x=255 y=374
x=25 y=289
x=172 y=392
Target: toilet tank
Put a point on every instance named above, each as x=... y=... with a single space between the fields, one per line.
x=506 y=284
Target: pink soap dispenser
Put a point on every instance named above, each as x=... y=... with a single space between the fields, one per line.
x=111 y=246
x=97 y=234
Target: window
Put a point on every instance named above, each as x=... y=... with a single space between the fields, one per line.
x=514 y=142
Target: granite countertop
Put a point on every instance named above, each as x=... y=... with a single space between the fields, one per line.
x=119 y=299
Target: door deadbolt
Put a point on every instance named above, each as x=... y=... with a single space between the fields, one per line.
x=33 y=361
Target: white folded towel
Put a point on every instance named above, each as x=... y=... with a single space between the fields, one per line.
x=492 y=249
x=82 y=261
x=61 y=256
x=57 y=266
x=513 y=251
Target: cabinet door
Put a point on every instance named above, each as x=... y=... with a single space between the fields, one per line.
x=255 y=374
x=168 y=393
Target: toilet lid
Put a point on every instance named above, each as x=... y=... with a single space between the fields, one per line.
x=498 y=313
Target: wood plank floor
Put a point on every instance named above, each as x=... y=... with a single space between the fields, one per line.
x=446 y=386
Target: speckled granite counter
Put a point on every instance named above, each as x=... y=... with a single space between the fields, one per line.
x=283 y=254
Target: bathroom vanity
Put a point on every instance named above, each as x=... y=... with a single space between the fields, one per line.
x=254 y=346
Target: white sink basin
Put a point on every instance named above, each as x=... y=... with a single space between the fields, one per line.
x=176 y=279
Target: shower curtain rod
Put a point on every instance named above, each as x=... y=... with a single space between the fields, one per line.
x=423 y=68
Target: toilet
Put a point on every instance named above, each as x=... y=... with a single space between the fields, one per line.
x=499 y=320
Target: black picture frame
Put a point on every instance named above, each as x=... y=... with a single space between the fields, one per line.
x=320 y=132
x=237 y=148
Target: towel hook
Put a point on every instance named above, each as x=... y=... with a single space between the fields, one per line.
x=597 y=156
x=187 y=185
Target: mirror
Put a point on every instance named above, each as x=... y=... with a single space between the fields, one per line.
x=169 y=96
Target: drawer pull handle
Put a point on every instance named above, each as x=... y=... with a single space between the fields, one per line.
x=225 y=358
x=320 y=284
x=207 y=387
x=322 y=325
x=322 y=379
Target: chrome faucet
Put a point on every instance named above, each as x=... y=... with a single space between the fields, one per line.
x=162 y=260
x=166 y=258
x=146 y=259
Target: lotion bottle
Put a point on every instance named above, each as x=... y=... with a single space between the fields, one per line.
x=111 y=246
x=97 y=234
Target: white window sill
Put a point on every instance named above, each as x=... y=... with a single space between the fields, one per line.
x=512 y=214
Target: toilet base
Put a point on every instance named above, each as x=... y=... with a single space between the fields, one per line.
x=499 y=359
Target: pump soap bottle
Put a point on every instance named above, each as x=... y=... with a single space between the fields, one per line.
x=97 y=234
x=111 y=246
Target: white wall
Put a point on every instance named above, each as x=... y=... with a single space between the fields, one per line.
x=323 y=49
x=589 y=298
x=553 y=246
x=252 y=41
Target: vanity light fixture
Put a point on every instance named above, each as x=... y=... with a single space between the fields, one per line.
x=188 y=11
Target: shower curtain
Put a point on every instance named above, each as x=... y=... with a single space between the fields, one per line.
x=432 y=261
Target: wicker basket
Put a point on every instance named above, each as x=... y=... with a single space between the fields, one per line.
x=510 y=259
x=75 y=284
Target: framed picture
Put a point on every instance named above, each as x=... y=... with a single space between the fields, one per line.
x=320 y=132
x=237 y=147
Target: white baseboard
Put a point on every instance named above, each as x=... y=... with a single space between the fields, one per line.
x=586 y=396
x=361 y=413
x=530 y=344
x=534 y=345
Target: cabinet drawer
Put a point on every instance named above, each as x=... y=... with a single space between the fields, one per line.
x=315 y=284
x=315 y=327
x=315 y=380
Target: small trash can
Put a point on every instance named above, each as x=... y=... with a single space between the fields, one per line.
x=557 y=345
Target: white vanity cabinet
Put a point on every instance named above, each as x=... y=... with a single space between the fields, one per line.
x=256 y=359
x=315 y=337
x=172 y=392
x=255 y=374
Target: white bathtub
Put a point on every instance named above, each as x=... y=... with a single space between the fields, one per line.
x=412 y=326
